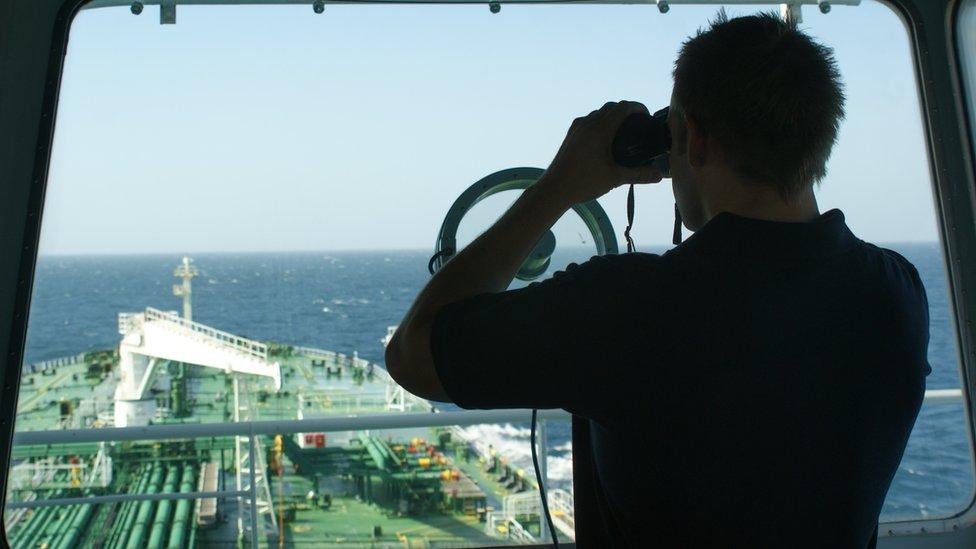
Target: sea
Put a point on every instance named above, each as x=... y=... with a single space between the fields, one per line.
x=344 y=301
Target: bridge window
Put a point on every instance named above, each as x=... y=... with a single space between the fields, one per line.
x=241 y=204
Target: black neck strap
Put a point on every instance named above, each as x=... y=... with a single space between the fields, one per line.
x=676 y=237
x=630 y=219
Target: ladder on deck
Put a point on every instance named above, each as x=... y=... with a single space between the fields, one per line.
x=257 y=513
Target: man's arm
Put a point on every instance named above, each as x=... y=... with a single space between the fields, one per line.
x=582 y=170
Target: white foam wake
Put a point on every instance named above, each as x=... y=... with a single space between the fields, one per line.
x=513 y=443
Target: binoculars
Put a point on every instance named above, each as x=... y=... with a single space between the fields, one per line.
x=644 y=140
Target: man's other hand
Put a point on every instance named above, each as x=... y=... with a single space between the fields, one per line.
x=583 y=168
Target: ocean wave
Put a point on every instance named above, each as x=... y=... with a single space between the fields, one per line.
x=564 y=447
x=351 y=301
x=513 y=443
x=560 y=468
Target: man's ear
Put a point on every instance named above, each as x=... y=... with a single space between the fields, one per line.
x=697 y=143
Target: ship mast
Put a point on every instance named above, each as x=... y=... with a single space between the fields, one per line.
x=186 y=272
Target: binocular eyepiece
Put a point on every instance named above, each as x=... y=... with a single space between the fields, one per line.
x=644 y=140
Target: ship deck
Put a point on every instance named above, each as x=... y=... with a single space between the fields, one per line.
x=410 y=487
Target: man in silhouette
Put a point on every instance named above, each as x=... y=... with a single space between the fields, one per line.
x=756 y=385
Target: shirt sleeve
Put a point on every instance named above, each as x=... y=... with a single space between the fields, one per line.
x=553 y=344
x=920 y=327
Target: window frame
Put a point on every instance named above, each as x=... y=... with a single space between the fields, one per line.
x=932 y=32
x=33 y=44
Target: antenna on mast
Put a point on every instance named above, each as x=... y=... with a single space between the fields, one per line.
x=184 y=290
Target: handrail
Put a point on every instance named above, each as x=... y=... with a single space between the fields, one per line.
x=330 y=424
x=943 y=396
x=314 y=352
x=53 y=363
x=405 y=420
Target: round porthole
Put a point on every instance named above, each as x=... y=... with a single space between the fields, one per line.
x=518 y=179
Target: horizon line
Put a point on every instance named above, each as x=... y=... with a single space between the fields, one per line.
x=359 y=250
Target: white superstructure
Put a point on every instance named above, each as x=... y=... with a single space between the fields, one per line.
x=153 y=336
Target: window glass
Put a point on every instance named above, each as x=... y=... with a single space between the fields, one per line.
x=303 y=164
x=891 y=203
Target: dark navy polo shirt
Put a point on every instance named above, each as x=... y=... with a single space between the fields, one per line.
x=755 y=386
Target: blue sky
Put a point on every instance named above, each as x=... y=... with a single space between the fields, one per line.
x=270 y=128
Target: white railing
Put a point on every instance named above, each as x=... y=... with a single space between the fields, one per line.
x=312 y=352
x=339 y=359
x=526 y=503
x=31 y=475
x=53 y=363
x=128 y=321
x=529 y=504
x=513 y=529
x=562 y=510
x=405 y=400
x=363 y=404
x=407 y=420
x=40 y=474
x=943 y=396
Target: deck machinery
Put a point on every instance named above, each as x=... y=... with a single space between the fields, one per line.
x=420 y=487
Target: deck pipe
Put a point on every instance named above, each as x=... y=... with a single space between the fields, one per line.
x=384 y=458
x=378 y=458
x=57 y=519
x=35 y=527
x=122 y=526
x=182 y=516
x=52 y=539
x=62 y=525
x=126 y=510
x=137 y=534
x=127 y=517
x=76 y=526
x=28 y=528
x=163 y=510
x=40 y=517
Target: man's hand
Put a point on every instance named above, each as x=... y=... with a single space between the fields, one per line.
x=583 y=168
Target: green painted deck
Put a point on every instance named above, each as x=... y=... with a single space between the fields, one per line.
x=355 y=500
